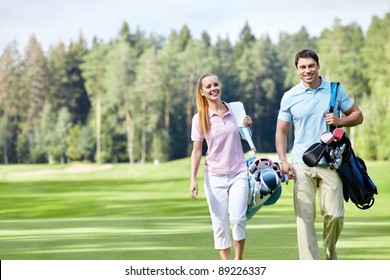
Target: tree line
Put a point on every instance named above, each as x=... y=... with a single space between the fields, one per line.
x=132 y=99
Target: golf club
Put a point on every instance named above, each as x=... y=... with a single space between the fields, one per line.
x=338 y=133
x=326 y=137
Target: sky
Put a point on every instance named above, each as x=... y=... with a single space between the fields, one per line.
x=53 y=21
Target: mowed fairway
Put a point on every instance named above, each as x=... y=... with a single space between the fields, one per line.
x=143 y=212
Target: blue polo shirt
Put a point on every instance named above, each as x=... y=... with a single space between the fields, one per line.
x=305 y=108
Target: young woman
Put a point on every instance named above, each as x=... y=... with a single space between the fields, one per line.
x=226 y=180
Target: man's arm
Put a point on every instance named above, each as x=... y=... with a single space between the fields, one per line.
x=282 y=129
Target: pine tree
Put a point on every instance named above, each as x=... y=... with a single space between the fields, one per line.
x=339 y=50
x=150 y=100
x=373 y=136
x=93 y=71
x=36 y=85
x=168 y=65
x=10 y=69
x=261 y=79
x=121 y=98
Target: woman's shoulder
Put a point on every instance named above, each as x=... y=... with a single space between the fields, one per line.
x=195 y=117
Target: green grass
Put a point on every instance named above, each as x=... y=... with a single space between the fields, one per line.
x=144 y=212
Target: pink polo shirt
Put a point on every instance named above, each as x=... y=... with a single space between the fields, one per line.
x=224 y=154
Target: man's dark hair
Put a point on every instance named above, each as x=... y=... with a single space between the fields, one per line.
x=306 y=54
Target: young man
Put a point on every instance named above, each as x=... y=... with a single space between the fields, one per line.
x=306 y=106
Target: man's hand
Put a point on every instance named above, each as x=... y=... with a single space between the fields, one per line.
x=331 y=119
x=287 y=169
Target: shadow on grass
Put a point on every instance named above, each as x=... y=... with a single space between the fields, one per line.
x=108 y=238
x=365 y=238
x=158 y=238
x=270 y=237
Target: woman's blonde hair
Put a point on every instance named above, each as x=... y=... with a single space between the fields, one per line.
x=203 y=106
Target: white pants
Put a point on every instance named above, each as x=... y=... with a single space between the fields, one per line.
x=327 y=182
x=227 y=197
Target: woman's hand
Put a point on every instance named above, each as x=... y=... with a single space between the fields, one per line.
x=194 y=190
x=247 y=121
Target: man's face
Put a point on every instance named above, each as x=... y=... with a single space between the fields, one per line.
x=307 y=69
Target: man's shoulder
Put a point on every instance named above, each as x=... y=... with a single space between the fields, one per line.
x=298 y=88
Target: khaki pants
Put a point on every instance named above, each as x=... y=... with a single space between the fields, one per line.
x=308 y=181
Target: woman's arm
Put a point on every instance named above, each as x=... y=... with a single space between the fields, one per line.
x=196 y=156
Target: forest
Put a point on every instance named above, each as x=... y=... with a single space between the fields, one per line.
x=132 y=99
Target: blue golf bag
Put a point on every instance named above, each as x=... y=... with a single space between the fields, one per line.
x=357 y=185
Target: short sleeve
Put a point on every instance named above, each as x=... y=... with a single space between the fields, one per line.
x=196 y=135
x=284 y=111
x=345 y=101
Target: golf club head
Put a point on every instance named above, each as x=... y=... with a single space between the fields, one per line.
x=342 y=149
x=331 y=153
x=327 y=154
x=326 y=137
x=337 y=152
x=270 y=179
x=250 y=160
x=336 y=164
x=259 y=192
x=338 y=134
x=253 y=167
x=313 y=154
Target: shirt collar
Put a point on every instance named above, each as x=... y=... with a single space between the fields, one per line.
x=212 y=113
x=308 y=89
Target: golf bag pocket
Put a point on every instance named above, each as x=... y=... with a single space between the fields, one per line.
x=357 y=184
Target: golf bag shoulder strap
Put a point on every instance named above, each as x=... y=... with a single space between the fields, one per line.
x=333 y=88
x=332 y=103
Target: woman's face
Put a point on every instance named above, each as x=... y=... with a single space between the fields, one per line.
x=211 y=88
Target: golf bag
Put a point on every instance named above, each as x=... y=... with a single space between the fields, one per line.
x=357 y=184
x=265 y=178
